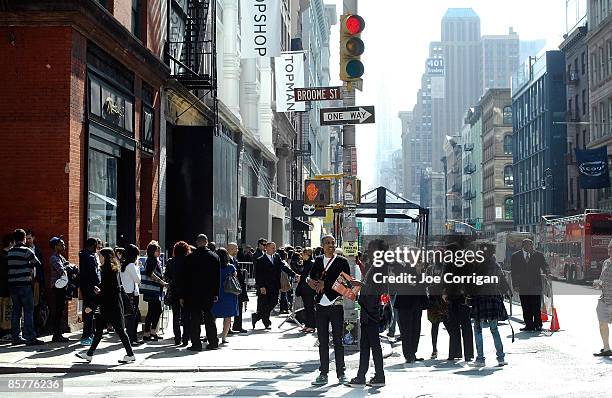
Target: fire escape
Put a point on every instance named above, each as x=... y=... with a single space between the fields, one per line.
x=191 y=50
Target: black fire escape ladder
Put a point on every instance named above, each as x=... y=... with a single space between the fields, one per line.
x=191 y=49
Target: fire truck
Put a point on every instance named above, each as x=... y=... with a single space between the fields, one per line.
x=576 y=246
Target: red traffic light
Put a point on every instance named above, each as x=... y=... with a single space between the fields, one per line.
x=354 y=24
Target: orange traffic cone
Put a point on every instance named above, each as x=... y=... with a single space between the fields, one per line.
x=554 y=323
x=544 y=314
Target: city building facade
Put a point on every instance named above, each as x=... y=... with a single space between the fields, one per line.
x=454 y=185
x=578 y=115
x=599 y=43
x=497 y=169
x=462 y=53
x=409 y=184
x=83 y=102
x=432 y=181
x=500 y=59
x=471 y=137
x=539 y=140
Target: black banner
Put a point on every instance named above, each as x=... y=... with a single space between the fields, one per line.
x=593 y=167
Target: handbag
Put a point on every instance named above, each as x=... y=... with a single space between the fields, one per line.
x=128 y=307
x=169 y=297
x=285 y=284
x=385 y=316
x=232 y=285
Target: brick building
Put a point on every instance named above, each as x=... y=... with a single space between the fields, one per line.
x=497 y=171
x=81 y=114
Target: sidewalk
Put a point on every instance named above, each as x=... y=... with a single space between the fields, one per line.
x=285 y=348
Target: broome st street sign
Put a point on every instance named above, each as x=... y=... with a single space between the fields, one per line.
x=347 y=115
x=318 y=94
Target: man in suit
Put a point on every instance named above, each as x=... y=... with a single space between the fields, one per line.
x=330 y=308
x=201 y=291
x=261 y=248
x=268 y=270
x=527 y=266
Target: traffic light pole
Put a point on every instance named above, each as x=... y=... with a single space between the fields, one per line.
x=351 y=315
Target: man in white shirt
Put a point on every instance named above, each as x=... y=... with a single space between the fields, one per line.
x=330 y=310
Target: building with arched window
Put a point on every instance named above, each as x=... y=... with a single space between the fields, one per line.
x=497 y=176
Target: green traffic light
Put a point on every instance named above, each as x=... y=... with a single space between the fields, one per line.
x=354 y=69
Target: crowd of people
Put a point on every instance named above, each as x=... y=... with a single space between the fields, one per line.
x=203 y=283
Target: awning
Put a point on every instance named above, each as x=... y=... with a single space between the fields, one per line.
x=299 y=225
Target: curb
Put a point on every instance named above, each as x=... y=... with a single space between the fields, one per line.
x=86 y=368
x=9 y=368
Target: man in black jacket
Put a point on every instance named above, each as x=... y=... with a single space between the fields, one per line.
x=330 y=309
x=410 y=305
x=261 y=248
x=89 y=279
x=201 y=291
x=455 y=294
x=527 y=266
x=370 y=320
x=268 y=270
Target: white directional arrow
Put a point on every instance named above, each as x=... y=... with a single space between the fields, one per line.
x=362 y=115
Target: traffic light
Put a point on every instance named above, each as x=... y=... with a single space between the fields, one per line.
x=351 y=47
x=317 y=192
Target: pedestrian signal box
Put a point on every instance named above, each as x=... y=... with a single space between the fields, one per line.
x=317 y=192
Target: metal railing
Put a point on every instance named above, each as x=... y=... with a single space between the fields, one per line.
x=249 y=268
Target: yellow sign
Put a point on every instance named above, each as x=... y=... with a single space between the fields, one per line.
x=350 y=248
x=329 y=216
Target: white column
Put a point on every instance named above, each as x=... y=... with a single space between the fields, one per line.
x=266 y=116
x=249 y=95
x=230 y=87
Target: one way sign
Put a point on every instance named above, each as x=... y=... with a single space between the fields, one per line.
x=348 y=115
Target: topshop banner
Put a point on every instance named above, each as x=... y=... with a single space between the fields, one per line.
x=260 y=28
x=593 y=168
x=289 y=72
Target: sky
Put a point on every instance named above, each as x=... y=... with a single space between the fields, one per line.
x=397 y=37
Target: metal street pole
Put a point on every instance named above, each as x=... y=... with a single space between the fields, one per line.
x=351 y=315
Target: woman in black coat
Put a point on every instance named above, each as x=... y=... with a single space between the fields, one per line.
x=110 y=307
x=174 y=275
x=306 y=292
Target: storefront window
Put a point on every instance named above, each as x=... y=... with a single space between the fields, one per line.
x=111 y=106
x=102 y=197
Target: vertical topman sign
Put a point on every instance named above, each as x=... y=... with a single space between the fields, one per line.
x=260 y=28
x=289 y=72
